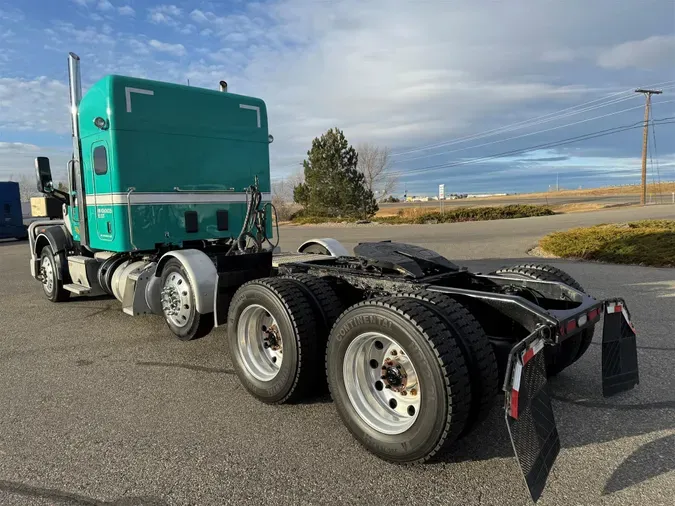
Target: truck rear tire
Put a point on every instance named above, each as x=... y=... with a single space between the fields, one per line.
x=327 y=309
x=271 y=332
x=398 y=379
x=51 y=284
x=179 y=306
x=476 y=349
x=558 y=357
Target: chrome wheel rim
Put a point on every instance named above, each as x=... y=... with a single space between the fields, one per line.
x=259 y=343
x=381 y=383
x=176 y=299
x=47 y=273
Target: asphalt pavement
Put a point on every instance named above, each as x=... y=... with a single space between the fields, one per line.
x=97 y=407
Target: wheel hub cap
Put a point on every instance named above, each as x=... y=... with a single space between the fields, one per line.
x=176 y=300
x=381 y=383
x=260 y=344
x=47 y=274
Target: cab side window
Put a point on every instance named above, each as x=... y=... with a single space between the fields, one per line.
x=100 y=160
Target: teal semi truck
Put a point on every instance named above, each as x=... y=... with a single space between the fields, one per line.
x=168 y=210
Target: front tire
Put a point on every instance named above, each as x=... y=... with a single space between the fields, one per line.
x=52 y=286
x=398 y=379
x=179 y=306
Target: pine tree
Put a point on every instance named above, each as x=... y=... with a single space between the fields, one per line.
x=333 y=186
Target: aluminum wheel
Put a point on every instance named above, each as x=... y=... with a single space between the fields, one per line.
x=259 y=342
x=381 y=383
x=176 y=299
x=47 y=274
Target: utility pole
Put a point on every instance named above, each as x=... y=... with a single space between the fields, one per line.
x=645 y=136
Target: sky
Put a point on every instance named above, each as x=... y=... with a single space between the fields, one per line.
x=474 y=94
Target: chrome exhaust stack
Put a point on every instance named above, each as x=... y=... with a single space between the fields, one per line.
x=223 y=86
x=75 y=87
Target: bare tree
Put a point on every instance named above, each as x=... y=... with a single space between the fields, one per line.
x=374 y=164
x=282 y=194
x=27 y=187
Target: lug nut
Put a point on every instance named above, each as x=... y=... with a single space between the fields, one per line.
x=393 y=352
x=413 y=391
x=404 y=392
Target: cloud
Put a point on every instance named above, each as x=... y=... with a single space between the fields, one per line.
x=37 y=105
x=105 y=5
x=164 y=47
x=164 y=14
x=138 y=47
x=171 y=10
x=656 y=52
x=12 y=15
x=546 y=159
x=17 y=161
x=199 y=16
x=87 y=35
x=126 y=10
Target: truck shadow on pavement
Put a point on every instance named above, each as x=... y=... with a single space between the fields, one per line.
x=583 y=416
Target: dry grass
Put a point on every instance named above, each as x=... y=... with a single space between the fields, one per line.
x=420 y=216
x=600 y=192
x=646 y=242
x=583 y=207
x=424 y=216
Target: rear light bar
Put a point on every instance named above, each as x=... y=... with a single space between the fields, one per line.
x=578 y=322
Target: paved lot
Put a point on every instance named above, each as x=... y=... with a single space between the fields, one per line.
x=97 y=407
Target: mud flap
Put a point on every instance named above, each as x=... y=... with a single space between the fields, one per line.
x=619 y=350
x=529 y=414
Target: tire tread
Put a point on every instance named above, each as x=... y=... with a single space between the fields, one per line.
x=448 y=355
x=302 y=319
x=478 y=352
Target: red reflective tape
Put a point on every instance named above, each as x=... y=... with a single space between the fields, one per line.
x=618 y=308
x=514 y=404
x=528 y=355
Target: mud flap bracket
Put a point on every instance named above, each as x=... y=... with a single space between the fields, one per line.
x=619 y=349
x=528 y=411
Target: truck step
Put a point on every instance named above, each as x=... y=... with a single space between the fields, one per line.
x=77 y=289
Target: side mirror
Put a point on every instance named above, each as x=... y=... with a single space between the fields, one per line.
x=44 y=174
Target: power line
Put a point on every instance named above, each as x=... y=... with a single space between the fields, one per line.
x=656 y=155
x=528 y=134
x=508 y=128
x=591 y=135
x=533 y=121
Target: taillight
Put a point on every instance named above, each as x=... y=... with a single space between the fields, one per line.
x=593 y=314
x=571 y=325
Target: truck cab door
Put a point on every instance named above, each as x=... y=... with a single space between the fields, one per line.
x=102 y=188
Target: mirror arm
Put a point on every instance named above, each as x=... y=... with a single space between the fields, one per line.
x=61 y=196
